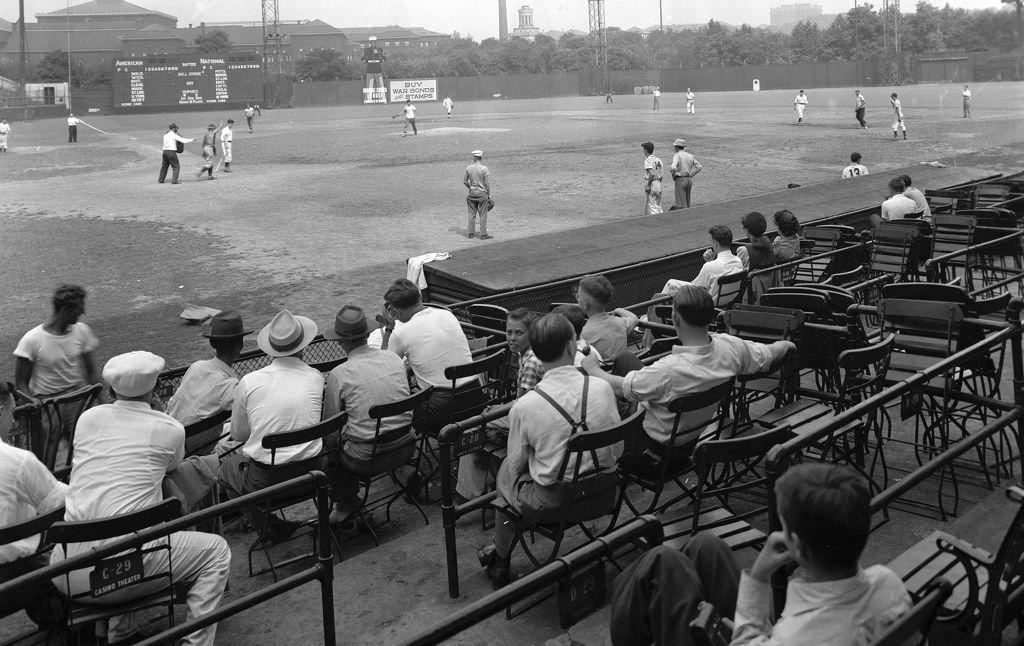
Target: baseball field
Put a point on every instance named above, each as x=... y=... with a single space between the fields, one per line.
x=325 y=204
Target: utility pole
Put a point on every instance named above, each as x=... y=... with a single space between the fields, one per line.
x=599 y=33
x=661 y=19
x=271 y=52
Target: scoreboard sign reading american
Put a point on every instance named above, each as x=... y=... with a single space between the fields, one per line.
x=185 y=81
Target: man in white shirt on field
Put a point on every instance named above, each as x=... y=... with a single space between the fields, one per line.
x=800 y=104
x=170 y=153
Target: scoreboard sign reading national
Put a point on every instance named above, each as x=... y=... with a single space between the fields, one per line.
x=415 y=89
x=185 y=81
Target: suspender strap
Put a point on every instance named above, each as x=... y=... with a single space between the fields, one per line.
x=573 y=425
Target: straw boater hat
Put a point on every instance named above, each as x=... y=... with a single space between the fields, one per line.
x=133 y=374
x=679 y=142
x=350 y=324
x=226 y=325
x=286 y=334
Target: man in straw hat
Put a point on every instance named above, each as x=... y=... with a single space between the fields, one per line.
x=478 y=180
x=369 y=377
x=123 y=451
x=208 y=386
x=683 y=168
x=285 y=396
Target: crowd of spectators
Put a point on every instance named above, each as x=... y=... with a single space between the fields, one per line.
x=576 y=369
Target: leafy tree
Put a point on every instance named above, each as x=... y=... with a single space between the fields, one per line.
x=806 y=42
x=213 y=42
x=53 y=67
x=323 y=65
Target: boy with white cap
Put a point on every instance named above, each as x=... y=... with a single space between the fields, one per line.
x=123 y=452
x=478 y=180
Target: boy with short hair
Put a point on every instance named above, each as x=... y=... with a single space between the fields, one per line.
x=825 y=511
x=606 y=331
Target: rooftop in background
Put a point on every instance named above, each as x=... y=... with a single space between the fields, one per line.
x=104 y=8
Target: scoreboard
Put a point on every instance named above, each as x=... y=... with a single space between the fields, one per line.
x=195 y=81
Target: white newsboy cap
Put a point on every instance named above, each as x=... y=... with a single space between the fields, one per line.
x=477 y=153
x=133 y=374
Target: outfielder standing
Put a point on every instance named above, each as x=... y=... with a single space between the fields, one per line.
x=226 y=138
x=657 y=98
x=448 y=104
x=5 y=129
x=897 y=109
x=691 y=102
x=859 y=108
x=409 y=110
x=967 y=102
x=800 y=104
x=249 y=113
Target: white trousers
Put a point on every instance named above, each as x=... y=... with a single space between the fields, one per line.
x=800 y=110
x=690 y=107
x=899 y=123
x=197 y=556
x=225 y=147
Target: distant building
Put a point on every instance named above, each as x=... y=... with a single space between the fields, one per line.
x=526 y=28
x=391 y=38
x=787 y=16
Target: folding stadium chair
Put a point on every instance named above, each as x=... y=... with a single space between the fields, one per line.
x=731 y=288
x=59 y=416
x=952 y=233
x=728 y=471
x=987 y=588
x=380 y=471
x=651 y=465
x=86 y=608
x=491 y=317
x=281 y=472
x=202 y=436
x=18 y=532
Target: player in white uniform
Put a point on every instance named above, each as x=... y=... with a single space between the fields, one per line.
x=249 y=113
x=657 y=98
x=967 y=102
x=897 y=109
x=226 y=138
x=855 y=169
x=800 y=104
x=448 y=104
x=5 y=129
x=691 y=102
x=409 y=110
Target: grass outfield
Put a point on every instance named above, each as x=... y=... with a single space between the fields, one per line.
x=326 y=203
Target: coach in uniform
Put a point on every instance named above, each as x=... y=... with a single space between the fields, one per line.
x=478 y=180
x=73 y=122
x=683 y=168
x=170 y=153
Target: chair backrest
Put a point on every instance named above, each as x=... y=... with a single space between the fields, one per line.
x=492 y=317
x=1005 y=579
x=913 y=626
x=473 y=397
x=62 y=412
x=658 y=348
x=824 y=238
x=932 y=319
x=892 y=250
x=203 y=434
x=926 y=292
x=730 y=289
x=589 y=442
x=31 y=527
x=696 y=411
x=729 y=466
x=990 y=306
x=864 y=371
x=100 y=529
x=951 y=233
x=310 y=433
x=814 y=306
x=764 y=327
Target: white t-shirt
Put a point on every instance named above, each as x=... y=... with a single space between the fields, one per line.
x=57 y=359
x=854 y=170
x=431 y=341
x=27 y=488
x=73 y=121
x=801 y=99
x=410 y=111
x=898 y=207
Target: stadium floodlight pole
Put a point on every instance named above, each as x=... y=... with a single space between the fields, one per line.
x=661 y=19
x=21 y=44
x=67 y=16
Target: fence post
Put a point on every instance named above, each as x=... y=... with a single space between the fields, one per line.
x=325 y=561
x=1013 y=311
x=448 y=516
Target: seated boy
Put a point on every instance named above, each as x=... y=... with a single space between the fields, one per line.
x=826 y=515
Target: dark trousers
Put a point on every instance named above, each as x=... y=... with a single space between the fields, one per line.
x=683 y=187
x=345 y=486
x=72 y=134
x=860 y=116
x=656 y=598
x=41 y=602
x=439 y=410
x=170 y=160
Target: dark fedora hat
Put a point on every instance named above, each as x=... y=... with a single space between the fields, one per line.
x=350 y=324
x=226 y=325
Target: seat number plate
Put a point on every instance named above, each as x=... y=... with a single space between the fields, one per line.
x=115 y=573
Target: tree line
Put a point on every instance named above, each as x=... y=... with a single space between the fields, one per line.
x=857 y=34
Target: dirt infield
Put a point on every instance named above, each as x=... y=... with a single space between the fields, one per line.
x=325 y=204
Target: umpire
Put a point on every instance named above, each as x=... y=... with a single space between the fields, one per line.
x=173 y=144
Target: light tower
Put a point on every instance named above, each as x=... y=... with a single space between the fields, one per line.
x=272 y=53
x=891 y=41
x=599 y=35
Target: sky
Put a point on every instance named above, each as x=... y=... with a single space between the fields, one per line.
x=478 y=18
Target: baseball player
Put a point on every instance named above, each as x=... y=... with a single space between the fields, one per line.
x=227 y=136
x=897 y=109
x=860 y=106
x=209 y=152
x=657 y=98
x=5 y=129
x=967 y=101
x=691 y=102
x=448 y=104
x=249 y=113
x=855 y=169
x=800 y=104
x=409 y=110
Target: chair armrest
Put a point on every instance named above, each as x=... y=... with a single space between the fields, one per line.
x=953 y=545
